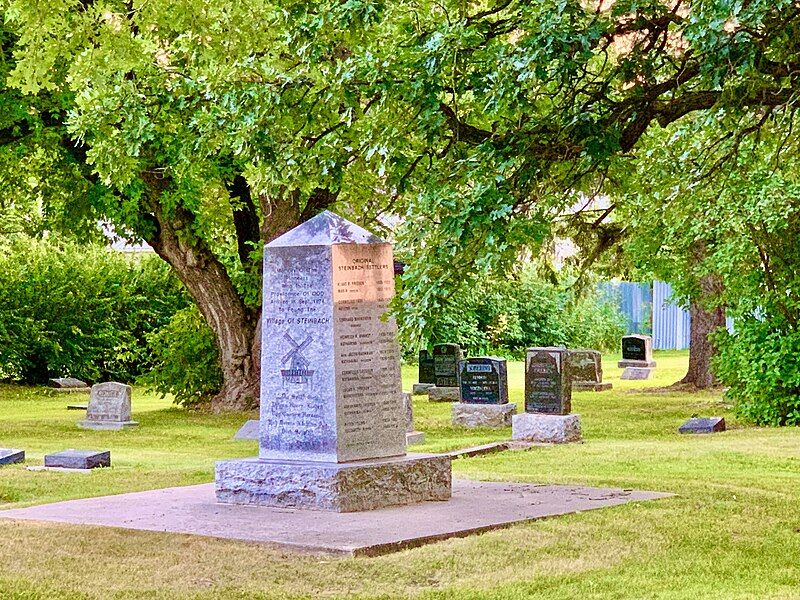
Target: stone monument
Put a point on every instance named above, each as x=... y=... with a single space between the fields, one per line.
x=637 y=357
x=68 y=385
x=109 y=407
x=586 y=367
x=703 y=425
x=427 y=377
x=548 y=399
x=333 y=424
x=484 y=393
x=10 y=456
x=445 y=366
x=78 y=459
x=412 y=436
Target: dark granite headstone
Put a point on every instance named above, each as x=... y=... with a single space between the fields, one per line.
x=78 y=459
x=9 y=456
x=445 y=364
x=586 y=369
x=703 y=425
x=483 y=380
x=548 y=388
x=634 y=347
x=427 y=373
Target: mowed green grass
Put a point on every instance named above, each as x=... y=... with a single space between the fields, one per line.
x=731 y=531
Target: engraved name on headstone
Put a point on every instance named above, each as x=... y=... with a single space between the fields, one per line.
x=548 y=388
x=331 y=387
x=445 y=364
x=426 y=370
x=483 y=380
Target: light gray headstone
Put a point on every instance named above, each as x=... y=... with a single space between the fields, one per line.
x=109 y=402
x=330 y=361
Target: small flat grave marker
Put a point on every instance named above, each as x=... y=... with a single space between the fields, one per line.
x=9 y=456
x=78 y=459
x=703 y=425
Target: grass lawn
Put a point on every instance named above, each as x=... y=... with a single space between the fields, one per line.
x=732 y=530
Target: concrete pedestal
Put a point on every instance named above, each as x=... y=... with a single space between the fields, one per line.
x=636 y=373
x=483 y=415
x=550 y=429
x=107 y=425
x=421 y=388
x=590 y=386
x=338 y=487
x=414 y=437
x=626 y=362
x=444 y=394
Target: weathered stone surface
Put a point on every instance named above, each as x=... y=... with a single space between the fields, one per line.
x=78 y=459
x=483 y=380
x=637 y=351
x=330 y=363
x=551 y=429
x=703 y=425
x=421 y=388
x=483 y=415
x=586 y=369
x=109 y=407
x=342 y=487
x=636 y=373
x=248 y=431
x=548 y=385
x=415 y=437
x=445 y=364
x=67 y=383
x=427 y=372
x=444 y=394
x=9 y=456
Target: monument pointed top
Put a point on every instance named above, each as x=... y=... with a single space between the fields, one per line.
x=326 y=229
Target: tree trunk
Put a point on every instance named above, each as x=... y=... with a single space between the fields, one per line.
x=704 y=323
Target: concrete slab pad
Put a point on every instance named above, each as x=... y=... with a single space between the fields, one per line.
x=474 y=508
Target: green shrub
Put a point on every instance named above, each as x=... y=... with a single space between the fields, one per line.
x=83 y=311
x=186 y=359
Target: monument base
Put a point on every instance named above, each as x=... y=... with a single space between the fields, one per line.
x=549 y=429
x=590 y=386
x=444 y=394
x=636 y=373
x=624 y=363
x=107 y=426
x=338 y=487
x=483 y=415
x=415 y=437
x=421 y=388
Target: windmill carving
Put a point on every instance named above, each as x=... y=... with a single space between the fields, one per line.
x=296 y=365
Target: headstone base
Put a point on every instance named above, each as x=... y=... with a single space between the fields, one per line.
x=703 y=425
x=77 y=390
x=248 y=431
x=338 y=487
x=10 y=456
x=78 y=459
x=421 y=388
x=631 y=373
x=483 y=415
x=626 y=362
x=415 y=437
x=590 y=386
x=107 y=425
x=549 y=429
x=444 y=394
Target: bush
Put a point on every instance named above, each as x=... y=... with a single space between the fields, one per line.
x=507 y=315
x=186 y=359
x=67 y=309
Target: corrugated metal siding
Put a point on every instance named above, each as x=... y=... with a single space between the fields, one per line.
x=635 y=301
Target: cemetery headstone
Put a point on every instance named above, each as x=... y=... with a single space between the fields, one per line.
x=427 y=374
x=586 y=367
x=548 y=399
x=445 y=366
x=703 y=425
x=248 y=431
x=109 y=407
x=483 y=383
x=68 y=385
x=9 y=456
x=333 y=424
x=412 y=436
x=78 y=459
x=637 y=357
